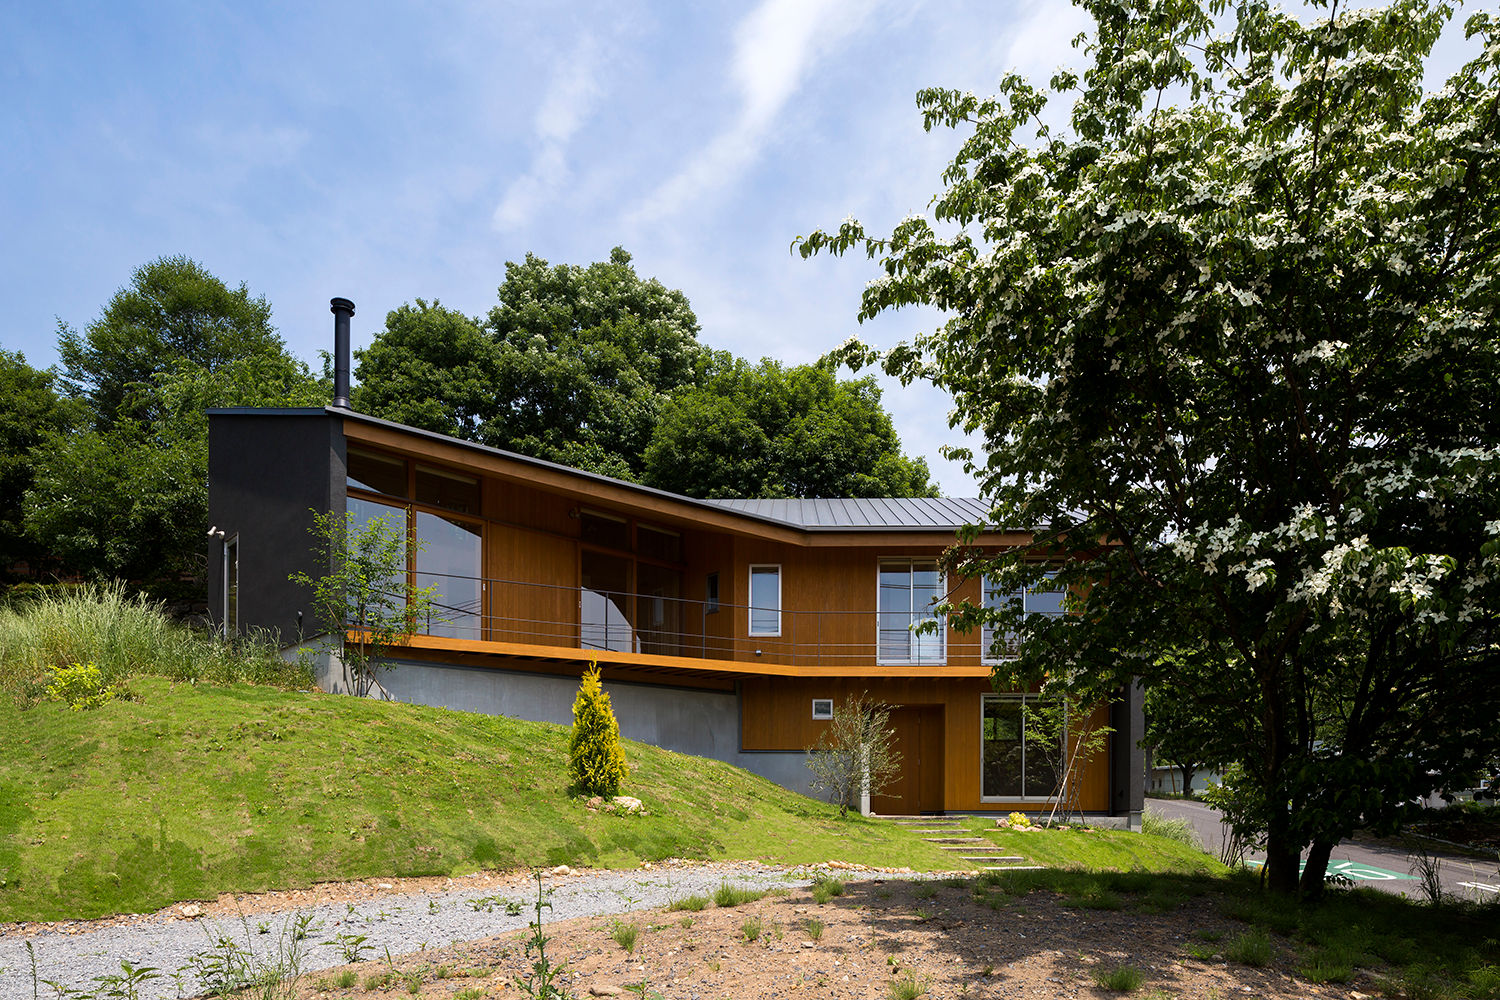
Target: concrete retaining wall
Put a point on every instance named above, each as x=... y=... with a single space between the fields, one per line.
x=687 y=720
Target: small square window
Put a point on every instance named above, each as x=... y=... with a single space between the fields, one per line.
x=822 y=708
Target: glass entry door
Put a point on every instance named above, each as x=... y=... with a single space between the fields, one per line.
x=603 y=613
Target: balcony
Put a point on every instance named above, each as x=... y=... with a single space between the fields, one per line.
x=517 y=618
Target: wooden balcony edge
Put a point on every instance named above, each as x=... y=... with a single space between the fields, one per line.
x=694 y=664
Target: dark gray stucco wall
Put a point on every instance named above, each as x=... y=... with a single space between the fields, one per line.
x=267 y=471
x=687 y=720
x=1127 y=772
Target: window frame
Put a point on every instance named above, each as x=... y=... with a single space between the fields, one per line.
x=1022 y=698
x=826 y=715
x=941 y=634
x=230 y=561
x=751 y=606
x=988 y=630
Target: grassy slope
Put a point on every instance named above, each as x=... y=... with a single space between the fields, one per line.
x=191 y=791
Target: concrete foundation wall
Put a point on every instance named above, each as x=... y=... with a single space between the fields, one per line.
x=687 y=720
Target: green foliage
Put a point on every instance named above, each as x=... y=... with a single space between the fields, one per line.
x=123 y=636
x=363 y=603
x=1120 y=979
x=1251 y=948
x=735 y=895
x=856 y=754
x=750 y=929
x=624 y=934
x=1234 y=311
x=596 y=761
x=692 y=904
x=81 y=686
x=30 y=413
x=906 y=987
x=1179 y=830
x=772 y=431
x=128 y=496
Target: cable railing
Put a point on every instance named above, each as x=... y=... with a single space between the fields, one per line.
x=606 y=620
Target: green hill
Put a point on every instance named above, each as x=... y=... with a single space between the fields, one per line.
x=186 y=791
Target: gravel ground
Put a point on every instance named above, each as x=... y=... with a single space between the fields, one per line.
x=402 y=922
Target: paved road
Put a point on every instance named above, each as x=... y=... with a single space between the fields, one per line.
x=1357 y=858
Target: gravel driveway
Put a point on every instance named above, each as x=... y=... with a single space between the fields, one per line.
x=403 y=922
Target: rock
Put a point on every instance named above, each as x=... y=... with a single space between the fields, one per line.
x=604 y=991
x=595 y=803
x=385 y=885
x=191 y=910
x=562 y=870
x=808 y=944
x=627 y=802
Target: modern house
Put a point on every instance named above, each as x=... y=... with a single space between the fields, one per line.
x=725 y=628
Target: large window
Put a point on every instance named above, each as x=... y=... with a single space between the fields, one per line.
x=1045 y=597
x=444 y=548
x=908 y=590
x=1014 y=767
x=631 y=576
x=765 y=600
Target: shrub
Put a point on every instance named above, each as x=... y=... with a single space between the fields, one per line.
x=81 y=686
x=856 y=754
x=596 y=763
x=1180 y=830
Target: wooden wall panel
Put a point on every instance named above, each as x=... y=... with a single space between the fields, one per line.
x=777 y=715
x=543 y=607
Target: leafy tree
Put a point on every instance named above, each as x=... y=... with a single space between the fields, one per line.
x=363 y=603
x=1236 y=320
x=573 y=364
x=30 y=413
x=772 y=431
x=596 y=762
x=173 y=311
x=856 y=753
x=128 y=497
x=1062 y=735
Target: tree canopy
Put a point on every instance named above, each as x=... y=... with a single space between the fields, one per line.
x=172 y=311
x=30 y=413
x=128 y=496
x=597 y=368
x=773 y=431
x=1229 y=337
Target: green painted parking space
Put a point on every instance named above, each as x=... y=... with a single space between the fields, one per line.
x=1354 y=870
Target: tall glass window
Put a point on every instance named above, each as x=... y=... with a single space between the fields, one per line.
x=232 y=586
x=393 y=527
x=765 y=600
x=908 y=590
x=1044 y=598
x=1014 y=765
x=450 y=559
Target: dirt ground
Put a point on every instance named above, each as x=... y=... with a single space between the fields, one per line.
x=879 y=939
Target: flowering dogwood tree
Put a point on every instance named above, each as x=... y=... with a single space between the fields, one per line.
x=1229 y=339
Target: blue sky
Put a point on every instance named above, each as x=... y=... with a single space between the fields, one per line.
x=386 y=152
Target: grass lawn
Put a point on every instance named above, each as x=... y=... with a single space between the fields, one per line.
x=1098 y=849
x=187 y=791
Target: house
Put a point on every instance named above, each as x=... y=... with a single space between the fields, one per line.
x=723 y=628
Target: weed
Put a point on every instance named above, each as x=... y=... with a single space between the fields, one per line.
x=413 y=981
x=1251 y=948
x=924 y=891
x=685 y=923
x=825 y=887
x=907 y=987
x=1202 y=952
x=1179 y=830
x=692 y=903
x=1121 y=979
x=1208 y=935
x=880 y=894
x=624 y=935
x=814 y=928
x=1327 y=966
x=346 y=980
x=1096 y=899
x=350 y=946
x=541 y=983
x=729 y=895
x=443 y=972
x=471 y=993
x=377 y=981
x=126 y=984
x=751 y=928
x=923 y=915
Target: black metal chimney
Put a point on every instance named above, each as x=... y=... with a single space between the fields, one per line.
x=342 y=309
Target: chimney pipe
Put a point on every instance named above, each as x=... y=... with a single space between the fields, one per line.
x=342 y=309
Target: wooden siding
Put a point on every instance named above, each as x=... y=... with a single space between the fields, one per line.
x=777 y=715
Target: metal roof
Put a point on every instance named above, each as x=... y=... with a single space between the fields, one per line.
x=947 y=513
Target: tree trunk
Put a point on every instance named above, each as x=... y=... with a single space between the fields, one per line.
x=1282 y=856
x=1317 y=869
x=1187 y=778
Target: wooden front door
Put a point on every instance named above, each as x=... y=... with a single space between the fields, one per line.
x=918 y=787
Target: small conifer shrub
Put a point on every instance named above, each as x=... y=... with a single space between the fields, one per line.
x=596 y=763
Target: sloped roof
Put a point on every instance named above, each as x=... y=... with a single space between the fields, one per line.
x=874 y=512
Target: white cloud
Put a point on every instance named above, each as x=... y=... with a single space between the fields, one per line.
x=775 y=47
x=570 y=99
